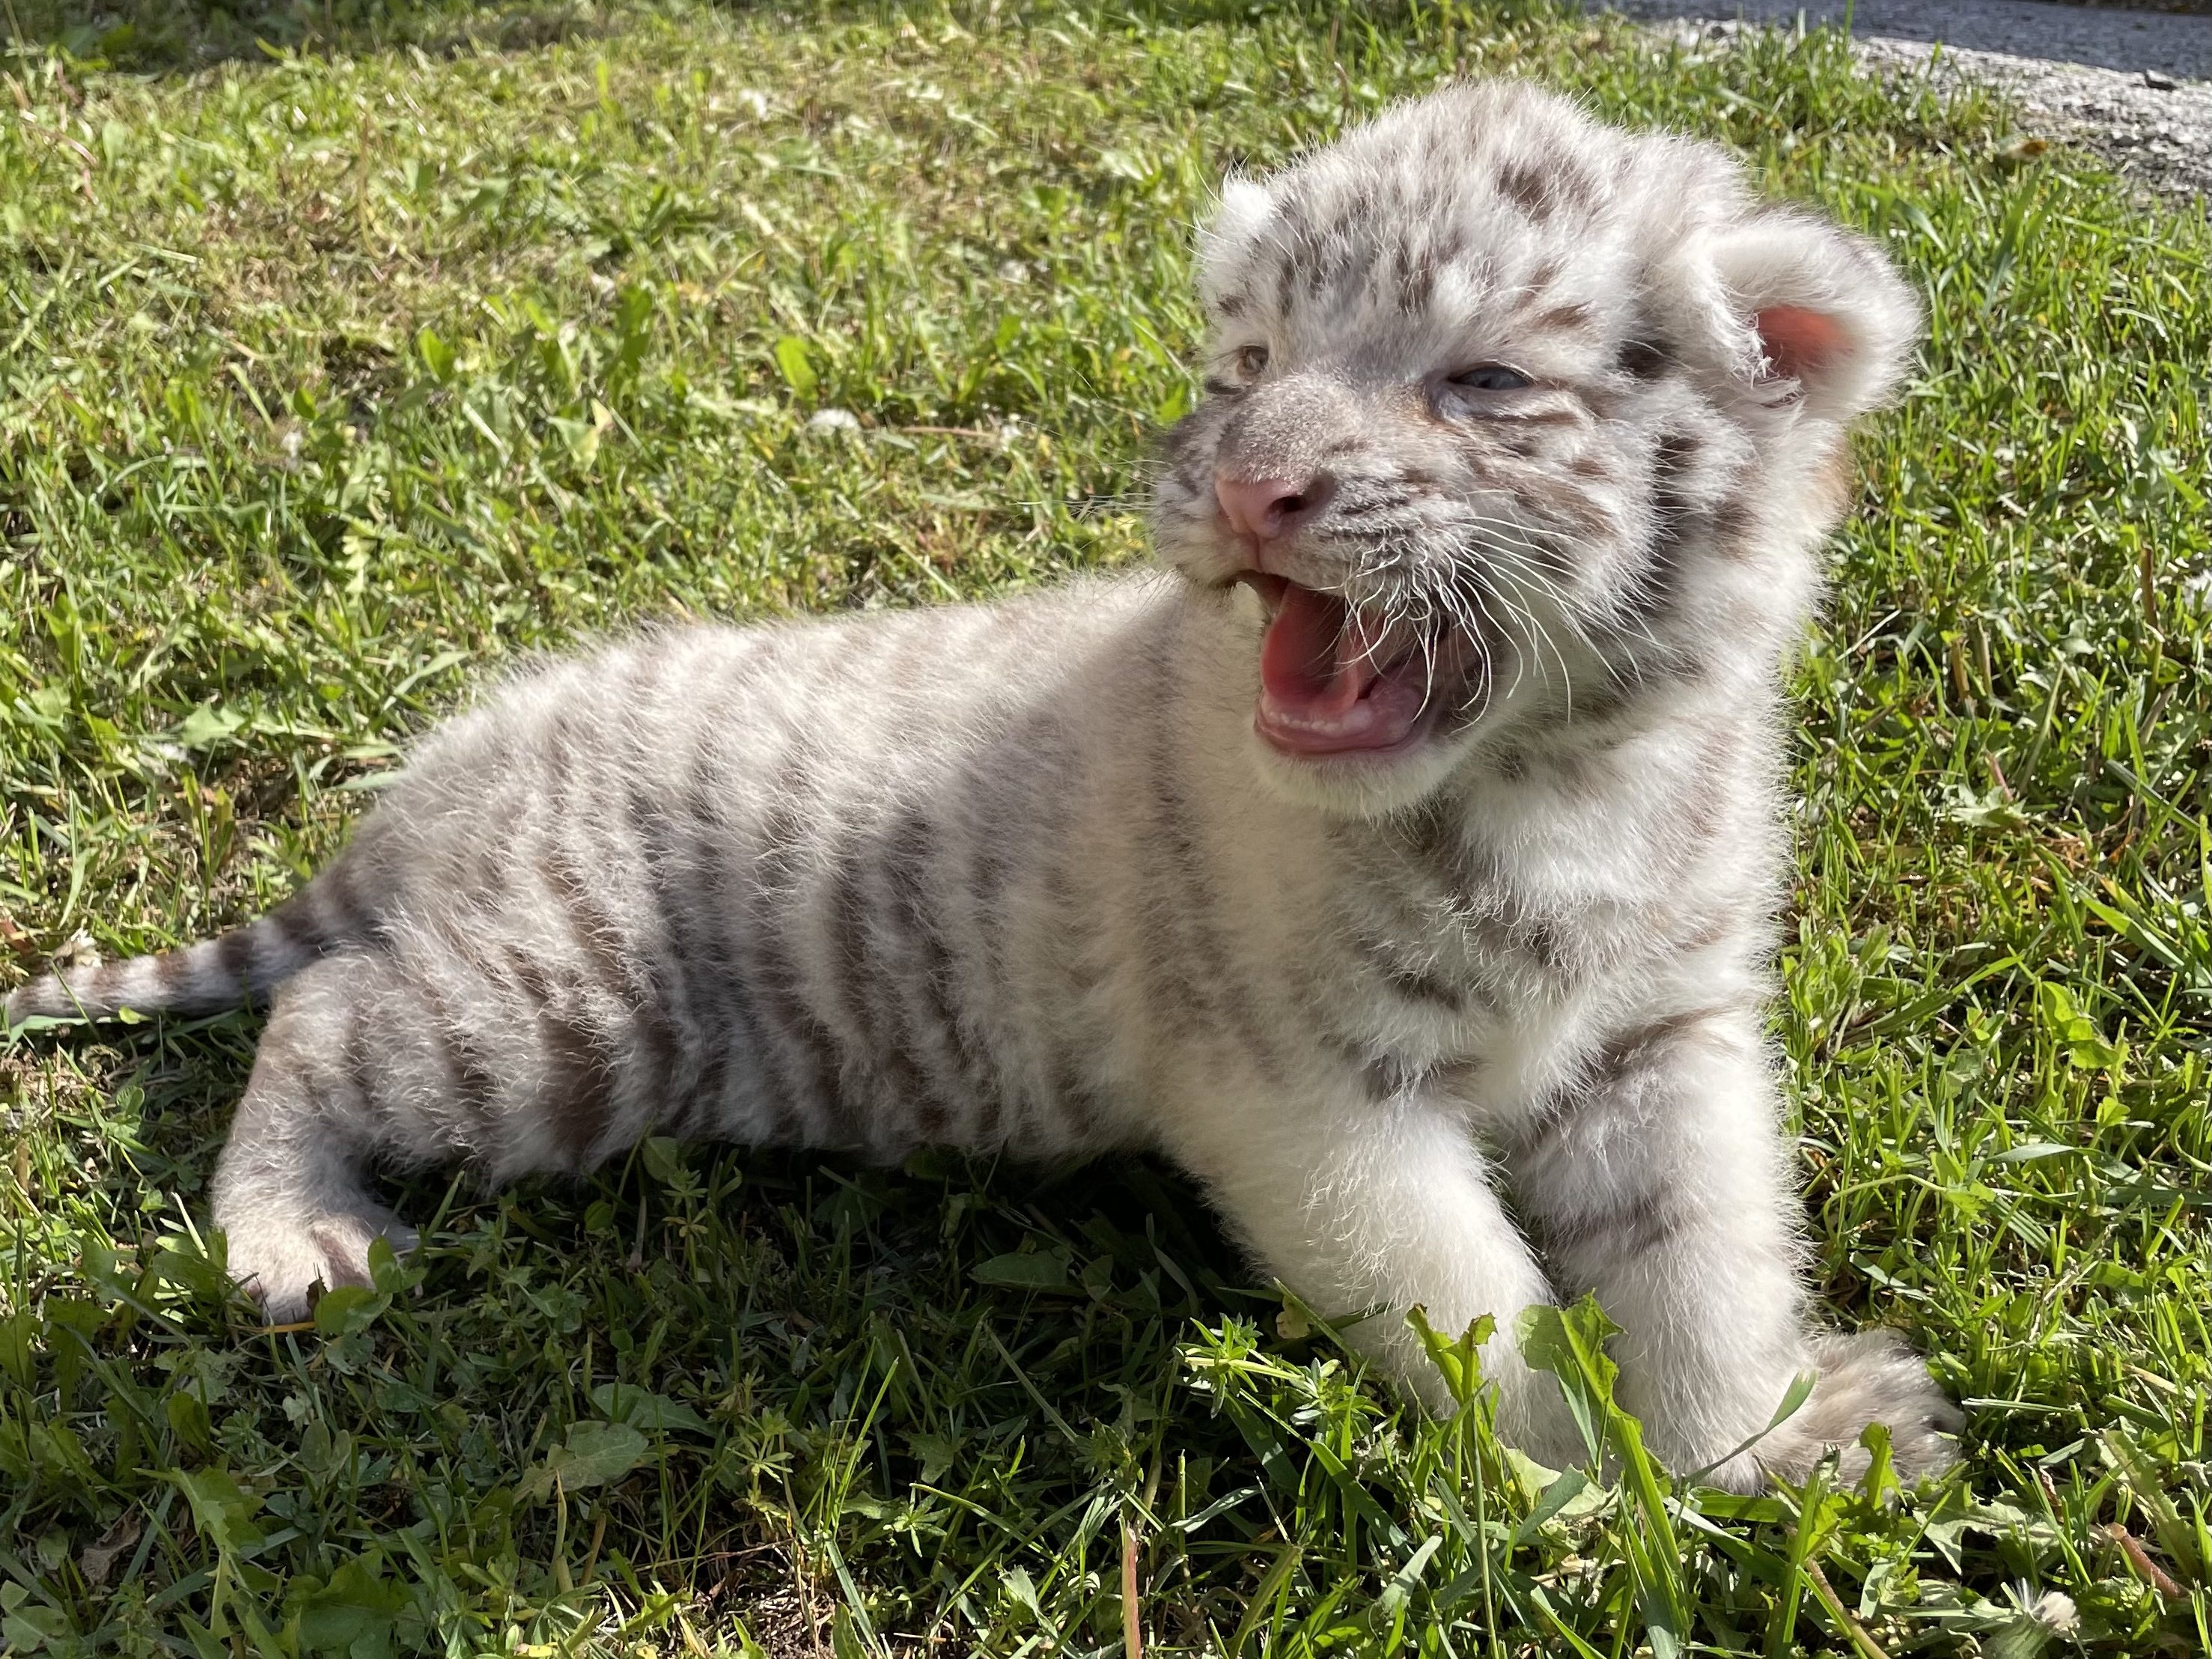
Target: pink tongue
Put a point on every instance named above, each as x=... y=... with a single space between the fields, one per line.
x=1309 y=661
x=1319 y=688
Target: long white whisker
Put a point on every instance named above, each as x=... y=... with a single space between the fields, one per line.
x=1482 y=593
x=1525 y=578
x=1529 y=616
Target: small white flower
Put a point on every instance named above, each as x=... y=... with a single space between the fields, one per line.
x=833 y=420
x=2054 y=1611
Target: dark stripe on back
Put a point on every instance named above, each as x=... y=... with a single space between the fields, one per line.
x=655 y=1050
x=476 y=1088
x=579 y=1102
x=928 y=975
x=812 y=1064
x=362 y=1064
x=670 y=884
x=735 y=1062
x=1074 y=924
x=984 y=881
x=733 y=893
x=871 y=1037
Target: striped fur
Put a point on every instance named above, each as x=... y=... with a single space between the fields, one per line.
x=1023 y=876
x=242 y=966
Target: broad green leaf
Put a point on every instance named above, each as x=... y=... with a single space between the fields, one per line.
x=355 y=1613
x=797 y=364
x=437 y=356
x=209 y=725
x=222 y=1510
x=2080 y=1038
x=348 y=1310
x=1570 y=1343
x=1458 y=1361
x=1564 y=1488
x=591 y=1454
x=656 y=1413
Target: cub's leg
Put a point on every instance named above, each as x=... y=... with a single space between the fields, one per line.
x=1385 y=1204
x=415 y=1056
x=337 y=1082
x=1663 y=1187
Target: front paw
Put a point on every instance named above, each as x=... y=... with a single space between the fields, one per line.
x=1870 y=1377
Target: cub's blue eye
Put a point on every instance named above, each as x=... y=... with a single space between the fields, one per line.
x=1492 y=377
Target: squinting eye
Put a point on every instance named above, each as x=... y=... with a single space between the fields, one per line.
x=1251 y=359
x=1492 y=377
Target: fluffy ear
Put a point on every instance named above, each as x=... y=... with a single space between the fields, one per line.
x=1245 y=209
x=1818 y=316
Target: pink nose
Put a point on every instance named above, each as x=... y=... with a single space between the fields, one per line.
x=1265 y=508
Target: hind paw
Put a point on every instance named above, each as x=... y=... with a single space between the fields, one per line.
x=284 y=1262
x=1871 y=1377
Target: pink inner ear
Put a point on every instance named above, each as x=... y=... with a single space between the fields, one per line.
x=1798 y=342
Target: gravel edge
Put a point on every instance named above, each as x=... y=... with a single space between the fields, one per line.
x=2154 y=128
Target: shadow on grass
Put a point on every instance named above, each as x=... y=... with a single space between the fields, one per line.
x=159 y=37
x=933 y=1223
x=163 y=37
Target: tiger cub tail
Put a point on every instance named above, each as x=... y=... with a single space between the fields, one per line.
x=228 y=971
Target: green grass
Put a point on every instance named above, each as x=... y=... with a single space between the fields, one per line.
x=337 y=381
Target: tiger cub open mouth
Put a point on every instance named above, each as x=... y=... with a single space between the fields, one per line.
x=1336 y=680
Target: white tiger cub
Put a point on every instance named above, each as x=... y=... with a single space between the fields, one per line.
x=1405 y=866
